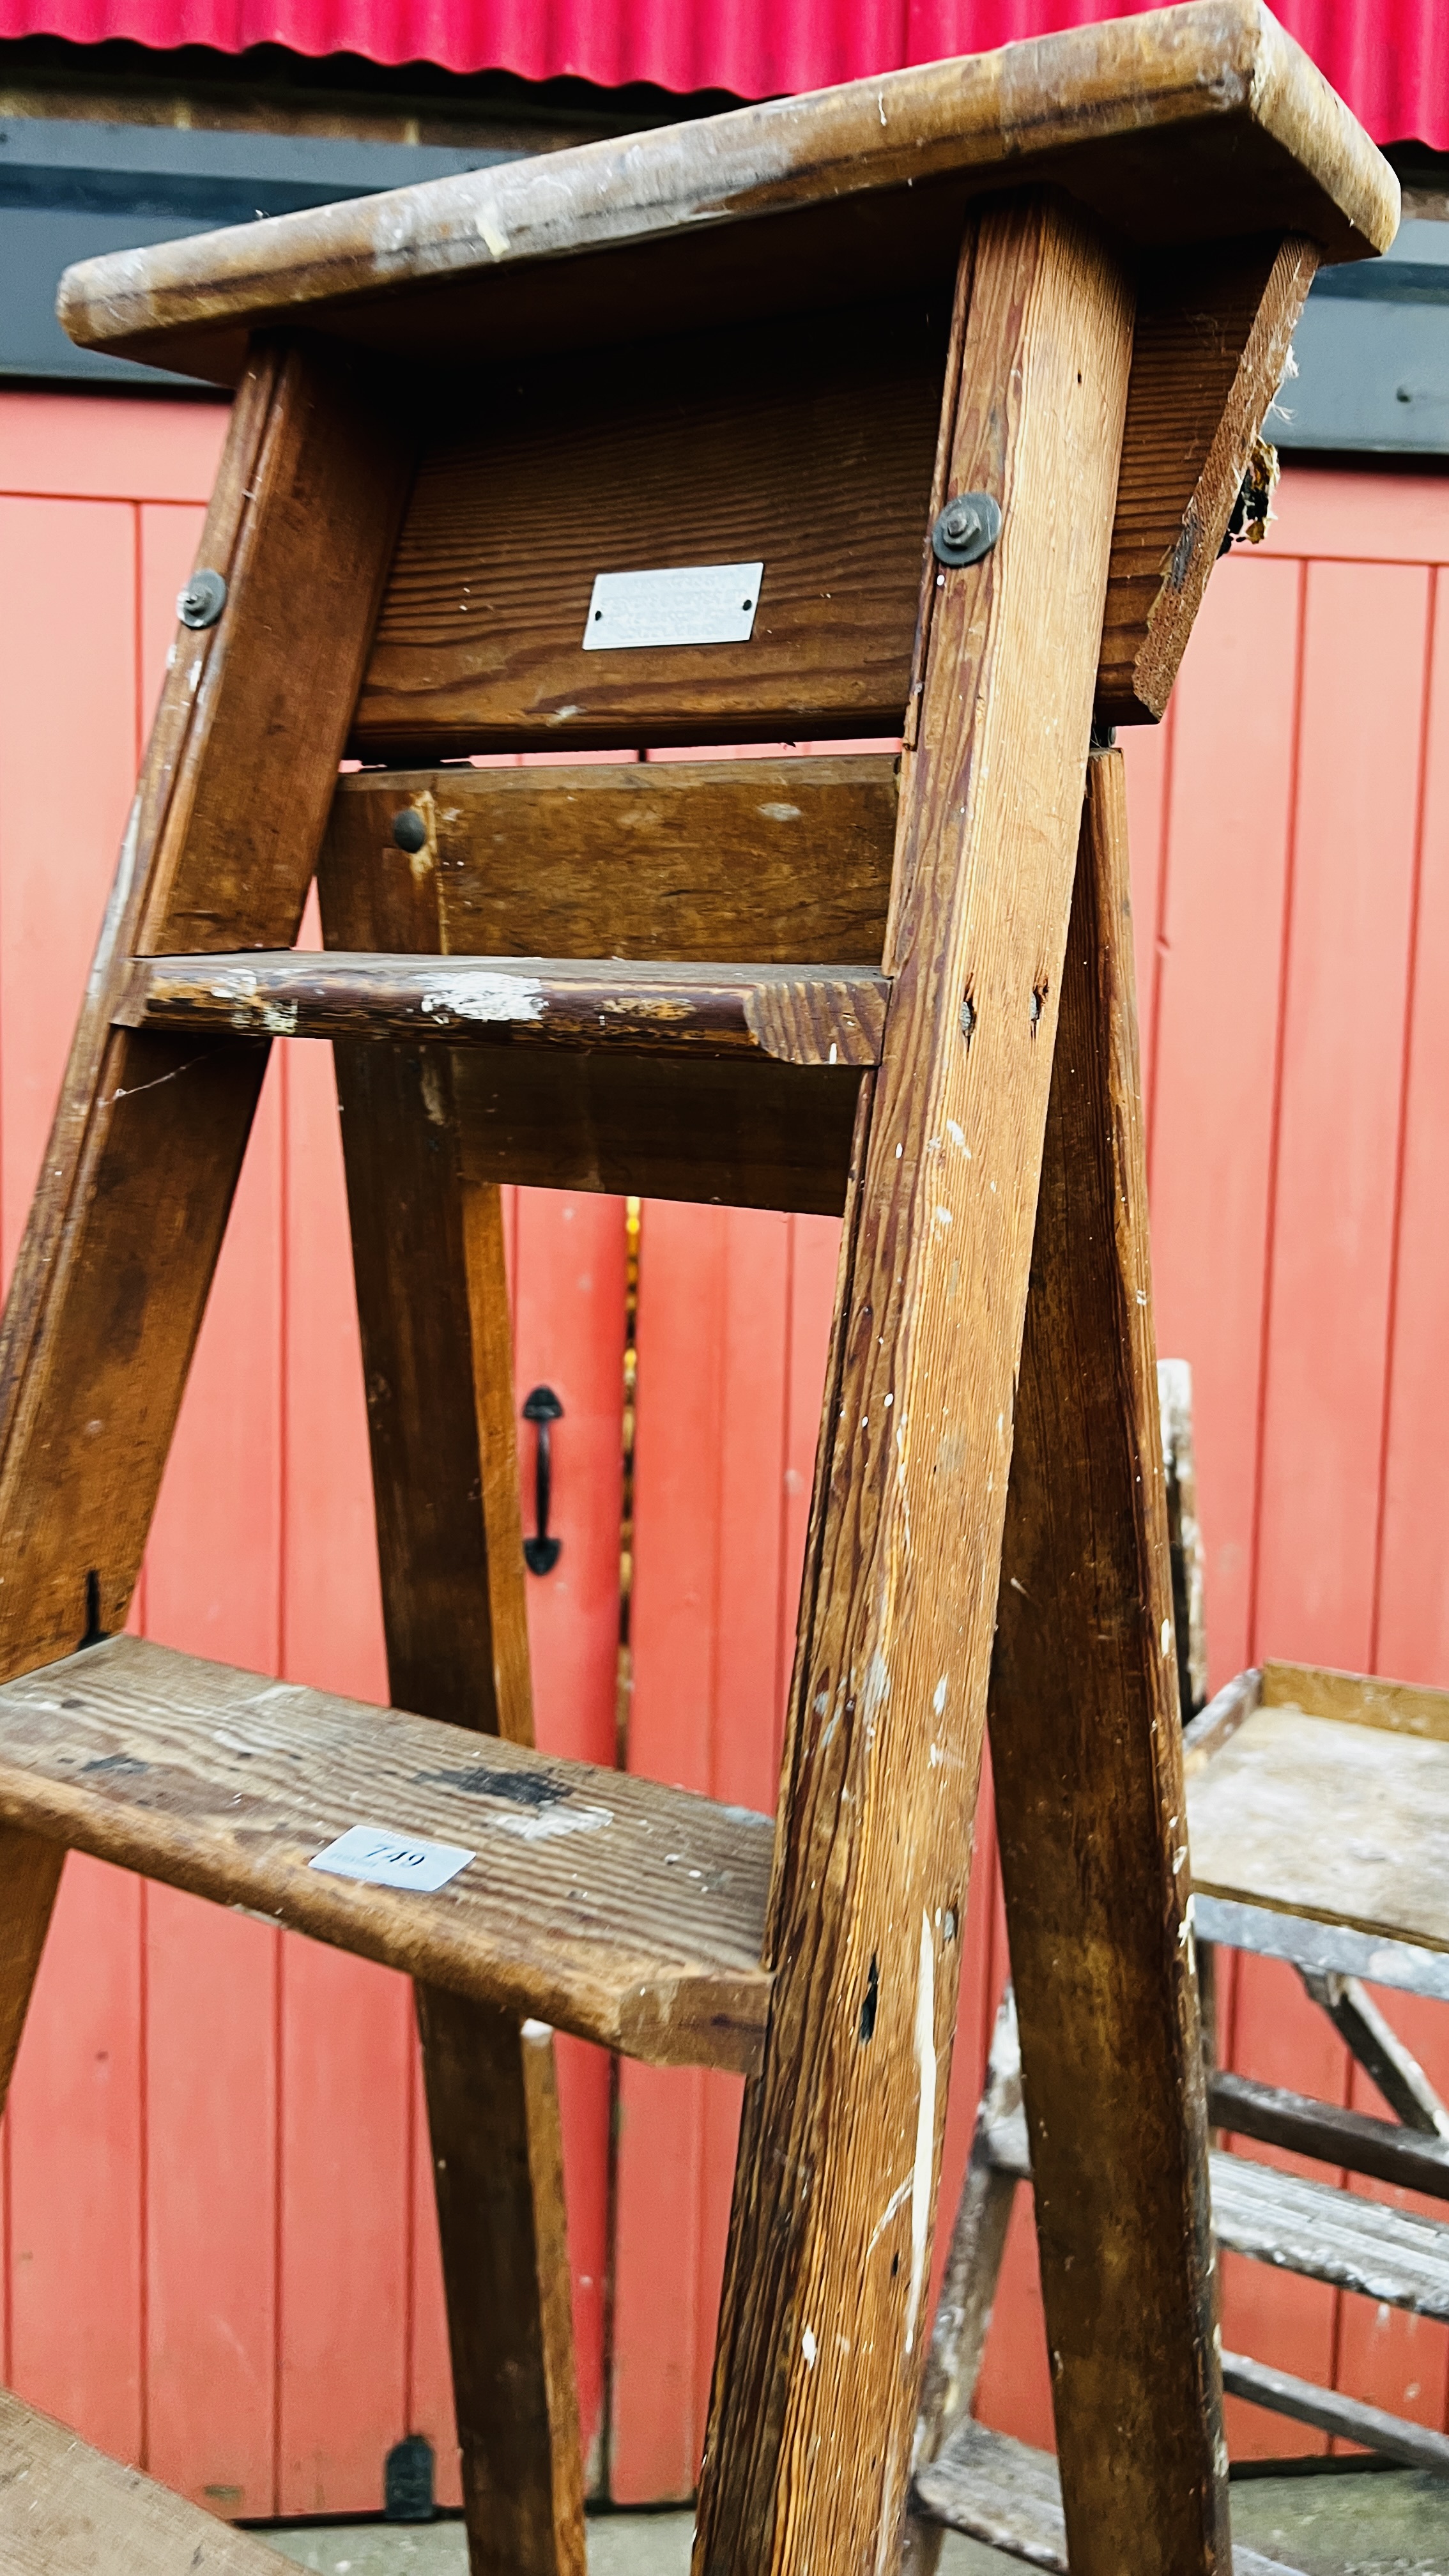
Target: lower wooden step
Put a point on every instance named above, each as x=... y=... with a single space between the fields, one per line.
x=1010 y=2496
x=629 y=1913
x=1388 y=2254
x=66 y=2510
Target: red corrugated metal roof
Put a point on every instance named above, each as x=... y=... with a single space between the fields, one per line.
x=1388 y=58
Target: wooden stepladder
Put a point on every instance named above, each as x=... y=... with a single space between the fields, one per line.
x=919 y=406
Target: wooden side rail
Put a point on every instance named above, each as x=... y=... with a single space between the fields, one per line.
x=797 y=1014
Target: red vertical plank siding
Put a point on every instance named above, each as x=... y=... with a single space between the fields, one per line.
x=1365 y=638
x=684 y=1301
x=1217 y=981
x=1413 y=1604
x=77 y=2334
x=68 y=708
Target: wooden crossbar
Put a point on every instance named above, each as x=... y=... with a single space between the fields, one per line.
x=794 y=1014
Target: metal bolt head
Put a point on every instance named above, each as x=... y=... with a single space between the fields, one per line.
x=967 y=528
x=409 y=830
x=203 y=599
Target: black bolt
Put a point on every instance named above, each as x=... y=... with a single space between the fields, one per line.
x=967 y=528
x=409 y=830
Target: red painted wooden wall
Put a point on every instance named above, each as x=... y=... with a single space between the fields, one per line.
x=219 y=2252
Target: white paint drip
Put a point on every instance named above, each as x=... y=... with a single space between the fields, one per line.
x=809 y=2347
x=1167 y=1636
x=780 y=813
x=877 y=1686
x=484 y=997
x=434 y=1101
x=547 y=1823
x=925 y=2126
x=901 y=2193
x=938 y=1697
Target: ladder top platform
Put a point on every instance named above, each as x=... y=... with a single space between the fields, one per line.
x=1325 y=1795
x=1177 y=127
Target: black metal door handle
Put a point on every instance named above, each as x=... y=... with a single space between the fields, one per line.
x=541 y=1553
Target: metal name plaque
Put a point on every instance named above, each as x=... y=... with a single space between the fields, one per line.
x=687 y=604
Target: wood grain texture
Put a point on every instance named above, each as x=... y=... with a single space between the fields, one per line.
x=1350 y=2138
x=1362 y=1699
x=1384 y=2253
x=1416 y=2446
x=66 y=2510
x=968 y=2287
x=798 y=1015
x=148 y=1137
x=493 y=2122
x=822 y=2329
x=1086 y=1760
x=604 y=1904
x=437 y=1344
x=805 y=444
x=29 y=1878
x=1174 y=125
x=1213 y=336
x=1346 y=1823
x=786 y=860
x=751 y=1133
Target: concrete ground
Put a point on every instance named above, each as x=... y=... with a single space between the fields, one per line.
x=1378 y=2523
x=620 y=2544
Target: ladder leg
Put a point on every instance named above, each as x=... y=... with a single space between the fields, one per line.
x=150 y=1130
x=437 y=1353
x=823 y=2330
x=29 y=1878
x=1087 y=1764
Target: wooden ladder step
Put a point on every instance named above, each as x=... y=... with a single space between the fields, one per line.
x=1331 y=2235
x=604 y=1904
x=1417 y=2446
x=817 y=1015
x=66 y=2510
x=1309 y=2227
x=1005 y=2493
x=1383 y=2148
